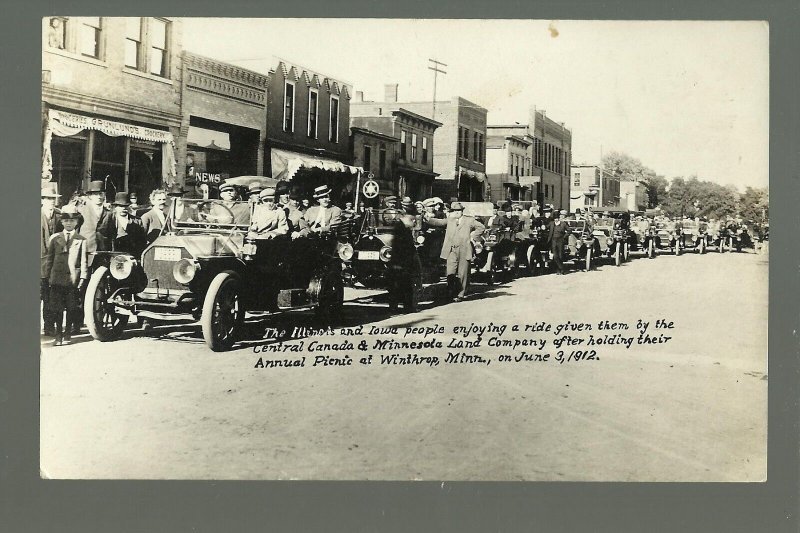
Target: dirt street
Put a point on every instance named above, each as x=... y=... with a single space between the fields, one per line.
x=159 y=404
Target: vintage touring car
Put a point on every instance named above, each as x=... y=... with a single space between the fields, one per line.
x=206 y=266
x=495 y=250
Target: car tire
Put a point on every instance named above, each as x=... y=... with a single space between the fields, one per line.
x=327 y=290
x=103 y=325
x=618 y=254
x=223 y=312
x=588 y=260
x=651 y=249
x=626 y=251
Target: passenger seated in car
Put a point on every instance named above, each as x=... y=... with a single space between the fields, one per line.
x=268 y=221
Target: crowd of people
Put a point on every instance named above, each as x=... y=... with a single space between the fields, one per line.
x=89 y=223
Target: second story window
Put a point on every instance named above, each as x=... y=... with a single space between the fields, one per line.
x=367 y=157
x=475 y=152
x=402 y=144
x=333 y=132
x=382 y=159
x=413 y=146
x=313 y=111
x=459 y=143
x=90 y=33
x=466 y=144
x=158 y=47
x=57 y=33
x=133 y=42
x=288 y=107
x=424 y=150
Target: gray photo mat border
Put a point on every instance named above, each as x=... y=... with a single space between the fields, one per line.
x=28 y=503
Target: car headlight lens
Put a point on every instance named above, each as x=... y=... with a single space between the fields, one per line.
x=420 y=239
x=492 y=238
x=385 y=254
x=346 y=252
x=185 y=270
x=121 y=266
x=609 y=241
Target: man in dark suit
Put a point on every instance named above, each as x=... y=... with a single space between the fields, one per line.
x=558 y=232
x=51 y=224
x=121 y=232
x=457 y=246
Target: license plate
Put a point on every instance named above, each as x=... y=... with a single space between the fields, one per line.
x=168 y=254
x=373 y=256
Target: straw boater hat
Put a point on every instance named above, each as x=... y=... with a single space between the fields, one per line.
x=69 y=211
x=322 y=191
x=50 y=190
x=406 y=201
x=226 y=187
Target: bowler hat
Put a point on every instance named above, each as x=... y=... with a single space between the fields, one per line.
x=295 y=195
x=254 y=188
x=322 y=191
x=69 y=211
x=121 y=198
x=96 y=186
x=456 y=206
x=282 y=188
x=175 y=189
x=50 y=190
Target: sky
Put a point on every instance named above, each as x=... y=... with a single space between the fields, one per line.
x=686 y=98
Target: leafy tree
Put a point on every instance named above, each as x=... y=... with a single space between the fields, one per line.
x=656 y=190
x=754 y=205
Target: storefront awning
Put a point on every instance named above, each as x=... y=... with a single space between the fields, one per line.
x=474 y=174
x=285 y=164
x=529 y=180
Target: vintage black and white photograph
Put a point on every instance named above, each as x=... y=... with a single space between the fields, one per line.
x=404 y=249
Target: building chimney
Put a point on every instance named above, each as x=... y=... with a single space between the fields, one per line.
x=359 y=96
x=390 y=92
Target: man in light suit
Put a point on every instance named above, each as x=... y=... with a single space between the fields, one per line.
x=51 y=223
x=66 y=269
x=321 y=217
x=156 y=218
x=457 y=247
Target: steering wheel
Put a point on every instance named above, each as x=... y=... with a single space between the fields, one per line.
x=204 y=214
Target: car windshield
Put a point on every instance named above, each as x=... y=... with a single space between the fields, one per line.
x=209 y=214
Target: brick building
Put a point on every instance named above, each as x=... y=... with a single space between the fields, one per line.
x=409 y=169
x=375 y=152
x=111 y=91
x=508 y=160
x=594 y=187
x=551 y=154
x=459 y=154
x=224 y=120
x=308 y=129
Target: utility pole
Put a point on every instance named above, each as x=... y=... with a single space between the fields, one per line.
x=434 y=66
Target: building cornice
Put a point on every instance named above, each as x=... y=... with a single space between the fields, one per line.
x=96 y=104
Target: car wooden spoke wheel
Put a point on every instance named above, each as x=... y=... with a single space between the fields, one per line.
x=101 y=320
x=222 y=311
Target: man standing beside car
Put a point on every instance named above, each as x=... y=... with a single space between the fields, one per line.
x=94 y=214
x=457 y=247
x=51 y=224
x=557 y=235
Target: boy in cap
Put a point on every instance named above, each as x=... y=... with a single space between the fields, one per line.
x=66 y=269
x=51 y=224
x=321 y=217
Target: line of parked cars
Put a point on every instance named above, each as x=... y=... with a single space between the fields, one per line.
x=207 y=267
